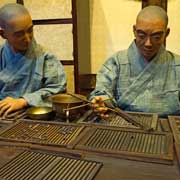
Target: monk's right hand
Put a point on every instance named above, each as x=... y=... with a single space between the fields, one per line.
x=99 y=107
x=10 y=104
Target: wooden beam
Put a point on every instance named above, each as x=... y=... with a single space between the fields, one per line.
x=52 y=21
x=161 y=3
x=20 y=2
x=75 y=46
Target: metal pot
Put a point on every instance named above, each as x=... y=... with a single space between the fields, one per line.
x=41 y=113
x=61 y=102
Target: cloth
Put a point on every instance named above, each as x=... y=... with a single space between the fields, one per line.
x=136 y=85
x=34 y=76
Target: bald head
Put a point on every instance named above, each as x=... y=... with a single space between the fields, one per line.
x=153 y=12
x=10 y=11
x=150 y=31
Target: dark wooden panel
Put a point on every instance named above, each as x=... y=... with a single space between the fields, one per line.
x=87 y=83
x=112 y=169
x=52 y=21
x=162 y=3
x=37 y=165
x=75 y=45
x=43 y=133
x=67 y=62
x=20 y=2
x=148 y=119
x=175 y=126
x=129 y=144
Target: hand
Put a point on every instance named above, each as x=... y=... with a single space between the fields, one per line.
x=10 y=104
x=99 y=107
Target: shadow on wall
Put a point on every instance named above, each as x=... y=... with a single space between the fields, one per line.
x=101 y=42
x=111 y=28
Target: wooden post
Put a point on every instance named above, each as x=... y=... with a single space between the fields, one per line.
x=75 y=46
x=20 y=2
x=162 y=3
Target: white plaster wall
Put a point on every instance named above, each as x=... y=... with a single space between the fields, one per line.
x=111 y=23
x=49 y=9
x=173 y=40
x=3 y=2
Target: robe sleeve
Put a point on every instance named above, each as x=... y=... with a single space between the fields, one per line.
x=106 y=80
x=53 y=82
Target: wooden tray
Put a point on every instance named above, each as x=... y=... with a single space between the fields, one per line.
x=42 y=132
x=128 y=144
x=33 y=165
x=148 y=119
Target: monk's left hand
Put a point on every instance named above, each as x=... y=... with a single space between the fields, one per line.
x=10 y=104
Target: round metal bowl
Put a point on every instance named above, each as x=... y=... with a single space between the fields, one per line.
x=60 y=102
x=40 y=113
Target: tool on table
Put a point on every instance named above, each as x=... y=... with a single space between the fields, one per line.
x=120 y=112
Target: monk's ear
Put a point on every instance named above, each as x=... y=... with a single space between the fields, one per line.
x=167 y=32
x=2 y=33
x=134 y=30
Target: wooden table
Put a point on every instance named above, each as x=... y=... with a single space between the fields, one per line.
x=113 y=168
x=116 y=169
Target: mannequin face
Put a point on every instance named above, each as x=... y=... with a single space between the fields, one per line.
x=150 y=35
x=19 y=33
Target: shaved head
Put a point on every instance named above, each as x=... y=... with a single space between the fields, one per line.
x=16 y=26
x=152 y=13
x=10 y=11
x=151 y=31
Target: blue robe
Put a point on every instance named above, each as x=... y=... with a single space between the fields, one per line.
x=136 y=85
x=34 y=76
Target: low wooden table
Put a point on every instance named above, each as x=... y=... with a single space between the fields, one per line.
x=112 y=169
x=116 y=169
